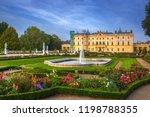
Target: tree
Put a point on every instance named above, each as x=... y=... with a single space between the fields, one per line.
x=146 y=21
x=3 y=27
x=11 y=37
x=55 y=42
x=33 y=38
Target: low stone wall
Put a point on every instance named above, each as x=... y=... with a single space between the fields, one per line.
x=55 y=62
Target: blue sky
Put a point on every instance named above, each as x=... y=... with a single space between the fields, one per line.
x=61 y=16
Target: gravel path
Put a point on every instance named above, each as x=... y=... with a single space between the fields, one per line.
x=71 y=97
x=143 y=63
x=118 y=65
x=2 y=66
x=142 y=93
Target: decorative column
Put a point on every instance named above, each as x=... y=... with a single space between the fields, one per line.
x=43 y=48
x=46 y=49
x=5 y=49
x=36 y=51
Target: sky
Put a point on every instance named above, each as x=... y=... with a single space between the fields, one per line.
x=61 y=16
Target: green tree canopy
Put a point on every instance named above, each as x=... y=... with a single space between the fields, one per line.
x=146 y=21
x=3 y=27
x=55 y=42
x=33 y=38
x=11 y=37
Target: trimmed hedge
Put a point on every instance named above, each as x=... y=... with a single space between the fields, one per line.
x=7 y=68
x=74 y=91
x=30 y=95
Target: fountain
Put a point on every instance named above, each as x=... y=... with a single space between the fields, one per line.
x=78 y=62
x=81 y=54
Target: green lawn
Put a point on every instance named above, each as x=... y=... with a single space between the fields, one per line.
x=38 y=63
x=19 y=62
x=127 y=62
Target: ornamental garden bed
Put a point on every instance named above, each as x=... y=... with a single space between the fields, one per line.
x=113 y=84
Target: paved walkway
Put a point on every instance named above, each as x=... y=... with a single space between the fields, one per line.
x=88 y=76
x=142 y=93
x=143 y=63
x=118 y=65
x=2 y=66
x=71 y=97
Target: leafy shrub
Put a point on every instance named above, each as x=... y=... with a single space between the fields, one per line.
x=21 y=82
x=98 y=83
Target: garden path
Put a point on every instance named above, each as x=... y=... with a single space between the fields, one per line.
x=11 y=71
x=141 y=93
x=2 y=66
x=88 y=76
x=71 y=97
x=143 y=63
x=118 y=65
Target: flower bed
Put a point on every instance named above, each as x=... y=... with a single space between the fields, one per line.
x=116 y=84
x=75 y=91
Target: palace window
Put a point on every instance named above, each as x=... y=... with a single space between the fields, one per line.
x=96 y=43
x=118 y=43
x=118 y=49
x=128 y=43
x=107 y=43
x=111 y=43
x=103 y=43
x=107 y=49
x=122 y=37
x=122 y=49
x=92 y=43
x=123 y=43
x=99 y=43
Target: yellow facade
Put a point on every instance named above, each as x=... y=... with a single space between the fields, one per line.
x=65 y=47
x=105 y=42
x=141 y=46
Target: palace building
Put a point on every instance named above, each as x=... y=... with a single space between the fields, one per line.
x=118 y=42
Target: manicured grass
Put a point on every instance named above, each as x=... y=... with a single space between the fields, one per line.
x=43 y=66
x=19 y=62
x=38 y=63
x=127 y=62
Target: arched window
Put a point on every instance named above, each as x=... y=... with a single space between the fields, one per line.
x=96 y=43
x=107 y=43
x=123 y=43
x=128 y=43
x=92 y=43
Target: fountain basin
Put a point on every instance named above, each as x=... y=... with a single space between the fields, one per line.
x=75 y=62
